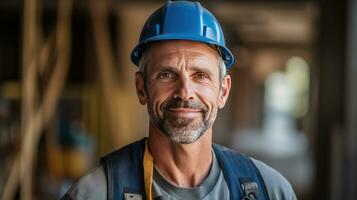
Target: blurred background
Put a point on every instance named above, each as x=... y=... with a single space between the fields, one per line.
x=67 y=92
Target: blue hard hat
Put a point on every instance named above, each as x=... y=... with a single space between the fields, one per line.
x=182 y=20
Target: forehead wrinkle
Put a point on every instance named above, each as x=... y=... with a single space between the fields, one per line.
x=182 y=53
x=186 y=59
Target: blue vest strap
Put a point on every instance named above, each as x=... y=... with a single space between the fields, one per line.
x=125 y=171
x=240 y=172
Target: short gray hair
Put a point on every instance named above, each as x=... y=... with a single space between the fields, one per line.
x=144 y=60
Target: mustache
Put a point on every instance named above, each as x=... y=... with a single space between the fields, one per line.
x=185 y=104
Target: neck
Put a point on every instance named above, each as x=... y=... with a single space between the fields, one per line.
x=185 y=165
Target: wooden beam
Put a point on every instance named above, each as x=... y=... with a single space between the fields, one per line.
x=22 y=170
x=99 y=14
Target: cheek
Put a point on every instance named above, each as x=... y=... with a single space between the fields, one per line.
x=160 y=92
x=158 y=96
x=209 y=96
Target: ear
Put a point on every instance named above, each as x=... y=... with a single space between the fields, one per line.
x=225 y=89
x=140 y=88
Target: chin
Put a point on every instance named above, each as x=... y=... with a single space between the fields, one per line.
x=184 y=135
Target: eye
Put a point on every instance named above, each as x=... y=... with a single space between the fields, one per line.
x=201 y=76
x=166 y=76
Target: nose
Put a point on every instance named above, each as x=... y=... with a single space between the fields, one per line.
x=184 y=89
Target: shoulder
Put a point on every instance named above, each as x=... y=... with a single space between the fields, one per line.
x=277 y=186
x=92 y=186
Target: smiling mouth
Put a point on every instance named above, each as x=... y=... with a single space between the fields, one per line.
x=184 y=112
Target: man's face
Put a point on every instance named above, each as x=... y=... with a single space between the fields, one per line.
x=183 y=88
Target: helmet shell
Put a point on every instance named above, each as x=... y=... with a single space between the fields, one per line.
x=182 y=20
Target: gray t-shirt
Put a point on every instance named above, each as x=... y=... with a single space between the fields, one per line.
x=212 y=188
x=93 y=186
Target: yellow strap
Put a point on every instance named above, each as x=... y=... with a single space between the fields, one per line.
x=148 y=171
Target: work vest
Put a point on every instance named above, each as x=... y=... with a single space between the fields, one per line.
x=129 y=173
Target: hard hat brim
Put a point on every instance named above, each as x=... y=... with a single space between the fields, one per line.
x=227 y=55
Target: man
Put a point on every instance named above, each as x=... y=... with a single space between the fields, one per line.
x=182 y=79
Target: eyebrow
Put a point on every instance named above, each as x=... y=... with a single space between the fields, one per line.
x=167 y=68
x=191 y=68
x=202 y=69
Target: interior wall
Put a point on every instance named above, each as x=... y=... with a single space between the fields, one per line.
x=351 y=102
x=331 y=94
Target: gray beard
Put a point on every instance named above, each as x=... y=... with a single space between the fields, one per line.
x=182 y=130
